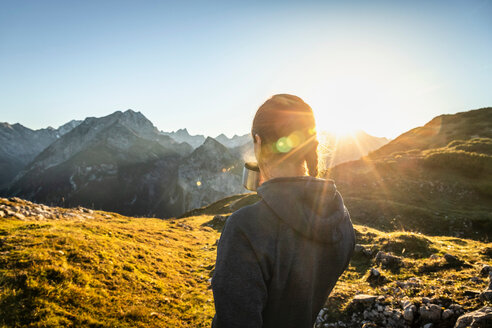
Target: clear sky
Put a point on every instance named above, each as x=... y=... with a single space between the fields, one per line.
x=380 y=66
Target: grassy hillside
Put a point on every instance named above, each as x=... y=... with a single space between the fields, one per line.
x=102 y=269
x=434 y=179
x=440 y=131
x=75 y=267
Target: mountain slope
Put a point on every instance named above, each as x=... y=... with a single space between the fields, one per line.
x=209 y=173
x=334 y=150
x=20 y=145
x=440 y=131
x=121 y=155
x=122 y=163
x=440 y=186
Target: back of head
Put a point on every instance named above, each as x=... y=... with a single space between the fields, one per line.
x=287 y=128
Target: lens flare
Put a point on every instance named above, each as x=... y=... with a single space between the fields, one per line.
x=282 y=145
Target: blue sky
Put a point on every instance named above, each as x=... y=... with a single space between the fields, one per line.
x=381 y=66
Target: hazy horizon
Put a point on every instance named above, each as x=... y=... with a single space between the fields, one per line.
x=380 y=67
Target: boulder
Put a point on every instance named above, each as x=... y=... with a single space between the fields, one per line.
x=430 y=312
x=481 y=318
x=388 y=260
x=409 y=312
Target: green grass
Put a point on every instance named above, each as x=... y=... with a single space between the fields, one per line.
x=439 y=191
x=109 y=271
x=116 y=271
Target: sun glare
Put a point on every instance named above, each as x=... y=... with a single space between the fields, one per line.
x=363 y=87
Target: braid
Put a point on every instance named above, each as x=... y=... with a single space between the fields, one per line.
x=312 y=161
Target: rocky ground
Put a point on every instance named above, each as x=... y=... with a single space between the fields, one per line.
x=399 y=301
x=26 y=210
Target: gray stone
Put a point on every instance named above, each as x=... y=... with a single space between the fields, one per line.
x=481 y=318
x=431 y=312
x=364 y=299
x=446 y=314
x=428 y=325
x=456 y=308
x=375 y=277
x=388 y=260
x=374 y=272
x=425 y=300
x=409 y=313
x=19 y=216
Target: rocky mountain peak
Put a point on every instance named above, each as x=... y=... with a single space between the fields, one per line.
x=137 y=122
x=182 y=132
x=211 y=143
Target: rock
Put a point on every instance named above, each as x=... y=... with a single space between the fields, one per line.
x=361 y=250
x=405 y=303
x=481 y=318
x=456 y=308
x=409 y=312
x=19 y=216
x=84 y=210
x=428 y=325
x=364 y=299
x=412 y=282
x=430 y=312
x=2 y=214
x=369 y=325
x=425 y=300
x=485 y=270
x=486 y=295
x=375 y=277
x=446 y=314
x=15 y=199
x=453 y=260
x=388 y=260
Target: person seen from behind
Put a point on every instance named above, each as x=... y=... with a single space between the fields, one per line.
x=279 y=259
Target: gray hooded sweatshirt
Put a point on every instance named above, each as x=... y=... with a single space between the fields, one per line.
x=279 y=259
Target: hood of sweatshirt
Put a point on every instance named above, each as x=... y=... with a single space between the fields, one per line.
x=311 y=206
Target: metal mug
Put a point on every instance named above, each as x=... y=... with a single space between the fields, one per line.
x=251 y=176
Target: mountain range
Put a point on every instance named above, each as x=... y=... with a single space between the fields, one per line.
x=121 y=162
x=20 y=145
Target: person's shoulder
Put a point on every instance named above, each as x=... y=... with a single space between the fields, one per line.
x=251 y=217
